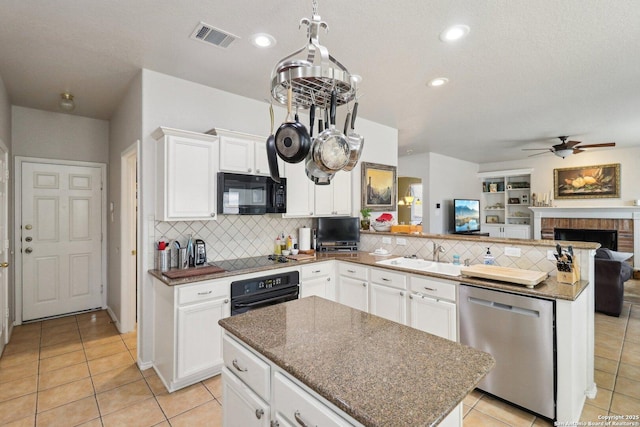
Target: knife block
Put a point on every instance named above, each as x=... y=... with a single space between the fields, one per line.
x=570 y=277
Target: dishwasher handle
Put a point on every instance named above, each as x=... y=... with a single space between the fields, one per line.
x=504 y=307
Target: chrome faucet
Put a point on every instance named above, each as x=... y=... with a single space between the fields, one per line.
x=437 y=250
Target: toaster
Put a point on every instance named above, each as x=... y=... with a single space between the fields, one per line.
x=200 y=252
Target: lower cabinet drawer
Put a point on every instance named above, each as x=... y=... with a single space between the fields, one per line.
x=202 y=291
x=301 y=408
x=352 y=270
x=316 y=270
x=246 y=366
x=388 y=278
x=433 y=287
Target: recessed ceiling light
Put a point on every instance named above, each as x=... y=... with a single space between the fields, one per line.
x=263 y=40
x=453 y=33
x=439 y=81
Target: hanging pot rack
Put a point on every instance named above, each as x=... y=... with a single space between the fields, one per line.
x=312 y=78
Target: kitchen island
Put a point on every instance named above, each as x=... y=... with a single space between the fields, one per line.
x=368 y=369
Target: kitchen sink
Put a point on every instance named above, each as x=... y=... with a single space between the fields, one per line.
x=423 y=265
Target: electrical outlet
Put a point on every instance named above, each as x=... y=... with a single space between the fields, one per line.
x=550 y=255
x=386 y=240
x=401 y=241
x=514 y=252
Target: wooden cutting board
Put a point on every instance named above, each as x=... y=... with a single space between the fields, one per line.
x=529 y=278
x=190 y=272
x=301 y=257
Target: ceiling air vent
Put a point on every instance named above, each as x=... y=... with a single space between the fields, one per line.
x=209 y=34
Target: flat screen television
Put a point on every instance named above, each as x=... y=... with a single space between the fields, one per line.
x=338 y=229
x=466 y=215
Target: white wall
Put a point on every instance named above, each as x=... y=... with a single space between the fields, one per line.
x=543 y=166
x=124 y=130
x=443 y=179
x=37 y=133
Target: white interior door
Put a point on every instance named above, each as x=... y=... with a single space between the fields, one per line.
x=4 y=249
x=61 y=235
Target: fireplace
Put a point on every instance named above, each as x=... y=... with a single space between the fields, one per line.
x=607 y=238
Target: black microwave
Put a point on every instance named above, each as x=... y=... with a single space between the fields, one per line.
x=240 y=194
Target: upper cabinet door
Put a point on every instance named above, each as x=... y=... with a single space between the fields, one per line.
x=237 y=154
x=186 y=166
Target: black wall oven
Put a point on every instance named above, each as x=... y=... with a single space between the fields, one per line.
x=250 y=194
x=251 y=294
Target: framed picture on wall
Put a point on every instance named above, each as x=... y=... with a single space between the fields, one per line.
x=587 y=182
x=379 y=187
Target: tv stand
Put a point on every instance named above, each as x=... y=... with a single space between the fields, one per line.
x=472 y=233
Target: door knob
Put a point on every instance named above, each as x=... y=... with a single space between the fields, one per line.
x=28 y=250
x=4 y=264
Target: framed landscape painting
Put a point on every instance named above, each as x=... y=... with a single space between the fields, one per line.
x=587 y=182
x=379 y=187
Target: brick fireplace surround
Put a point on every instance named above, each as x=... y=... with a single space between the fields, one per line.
x=624 y=219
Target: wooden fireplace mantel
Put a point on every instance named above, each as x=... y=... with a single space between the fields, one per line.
x=625 y=219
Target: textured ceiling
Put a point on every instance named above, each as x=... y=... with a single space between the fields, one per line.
x=527 y=72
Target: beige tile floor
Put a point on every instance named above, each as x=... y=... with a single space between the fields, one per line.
x=78 y=370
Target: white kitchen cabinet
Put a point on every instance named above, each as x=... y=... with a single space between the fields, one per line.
x=353 y=286
x=187 y=337
x=244 y=153
x=299 y=407
x=432 y=307
x=242 y=407
x=507 y=230
x=186 y=167
x=300 y=191
x=388 y=292
x=318 y=279
x=304 y=198
x=335 y=198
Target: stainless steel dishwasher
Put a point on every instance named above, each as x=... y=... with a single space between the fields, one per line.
x=518 y=332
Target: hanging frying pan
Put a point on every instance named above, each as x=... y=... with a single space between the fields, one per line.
x=272 y=155
x=356 y=142
x=292 y=139
x=330 y=149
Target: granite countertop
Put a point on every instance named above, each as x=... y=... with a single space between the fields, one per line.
x=379 y=372
x=549 y=288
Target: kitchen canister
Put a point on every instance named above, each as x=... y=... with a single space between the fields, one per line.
x=183 y=258
x=304 y=239
x=163 y=260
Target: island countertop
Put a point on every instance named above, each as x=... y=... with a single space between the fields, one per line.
x=379 y=372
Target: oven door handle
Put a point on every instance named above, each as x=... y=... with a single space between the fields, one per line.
x=264 y=301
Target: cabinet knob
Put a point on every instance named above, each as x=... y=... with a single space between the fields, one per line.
x=213 y=214
x=249 y=170
x=310 y=213
x=226 y=300
x=259 y=413
x=401 y=293
x=257 y=170
x=328 y=279
x=364 y=284
x=410 y=296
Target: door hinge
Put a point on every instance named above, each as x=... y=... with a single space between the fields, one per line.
x=101 y=237
x=101 y=289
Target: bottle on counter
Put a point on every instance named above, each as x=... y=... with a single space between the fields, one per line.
x=488 y=258
x=289 y=243
x=283 y=243
x=277 y=248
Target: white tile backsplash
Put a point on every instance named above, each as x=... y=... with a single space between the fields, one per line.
x=232 y=236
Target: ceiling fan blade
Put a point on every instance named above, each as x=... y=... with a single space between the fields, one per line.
x=537 y=154
x=577 y=150
x=571 y=144
x=604 y=144
x=529 y=149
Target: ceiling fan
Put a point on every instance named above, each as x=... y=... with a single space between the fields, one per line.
x=566 y=148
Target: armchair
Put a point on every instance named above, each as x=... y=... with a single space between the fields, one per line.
x=611 y=271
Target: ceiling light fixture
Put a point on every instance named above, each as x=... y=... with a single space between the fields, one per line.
x=453 y=33
x=439 y=81
x=66 y=102
x=563 y=153
x=263 y=40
